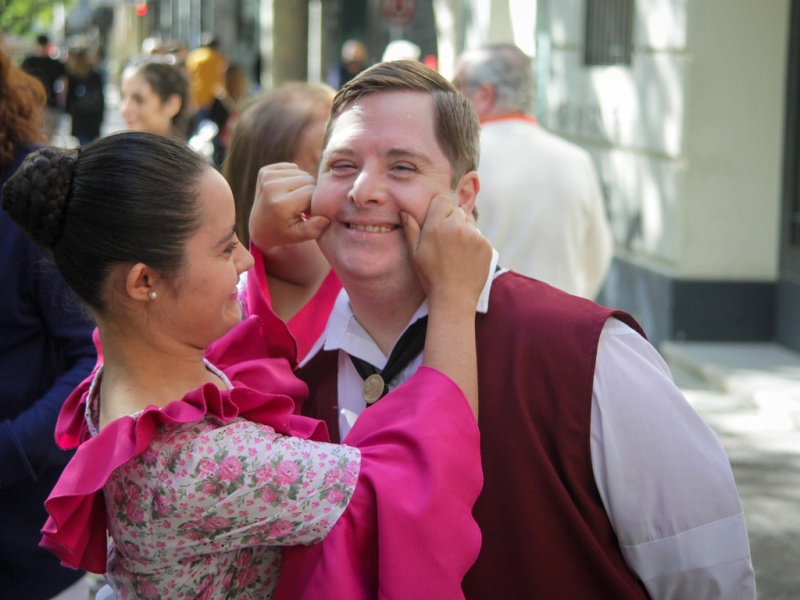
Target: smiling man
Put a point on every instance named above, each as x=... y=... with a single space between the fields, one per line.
x=600 y=480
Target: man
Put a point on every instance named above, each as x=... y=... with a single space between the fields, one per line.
x=540 y=203
x=53 y=75
x=600 y=481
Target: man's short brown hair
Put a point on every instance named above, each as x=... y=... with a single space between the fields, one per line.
x=455 y=122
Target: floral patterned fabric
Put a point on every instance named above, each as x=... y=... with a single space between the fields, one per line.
x=207 y=506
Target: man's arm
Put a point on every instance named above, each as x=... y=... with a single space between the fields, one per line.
x=664 y=478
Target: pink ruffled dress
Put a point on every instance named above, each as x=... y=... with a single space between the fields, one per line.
x=218 y=493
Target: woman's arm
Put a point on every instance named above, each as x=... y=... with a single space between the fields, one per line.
x=452 y=260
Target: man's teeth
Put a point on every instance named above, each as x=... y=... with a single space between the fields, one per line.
x=371 y=228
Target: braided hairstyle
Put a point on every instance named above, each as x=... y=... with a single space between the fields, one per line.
x=130 y=197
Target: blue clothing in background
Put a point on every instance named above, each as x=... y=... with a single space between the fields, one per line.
x=46 y=350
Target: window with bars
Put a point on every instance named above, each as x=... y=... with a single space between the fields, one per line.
x=609 y=32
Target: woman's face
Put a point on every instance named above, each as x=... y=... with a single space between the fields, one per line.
x=143 y=109
x=309 y=147
x=201 y=304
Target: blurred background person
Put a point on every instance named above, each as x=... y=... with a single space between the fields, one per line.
x=206 y=69
x=352 y=61
x=85 y=103
x=226 y=107
x=46 y=349
x=283 y=128
x=154 y=98
x=53 y=75
x=401 y=50
x=540 y=202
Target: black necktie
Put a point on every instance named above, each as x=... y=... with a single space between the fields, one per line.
x=407 y=347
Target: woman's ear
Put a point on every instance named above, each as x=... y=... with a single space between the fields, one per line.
x=140 y=282
x=173 y=105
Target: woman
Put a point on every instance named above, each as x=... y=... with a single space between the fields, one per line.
x=85 y=99
x=46 y=349
x=154 y=97
x=189 y=453
x=283 y=129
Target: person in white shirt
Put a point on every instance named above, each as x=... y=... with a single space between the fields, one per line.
x=540 y=202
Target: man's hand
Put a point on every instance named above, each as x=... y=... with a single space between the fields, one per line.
x=450 y=255
x=283 y=195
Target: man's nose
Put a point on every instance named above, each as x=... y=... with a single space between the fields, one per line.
x=369 y=187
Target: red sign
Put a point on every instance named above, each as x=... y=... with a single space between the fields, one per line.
x=399 y=12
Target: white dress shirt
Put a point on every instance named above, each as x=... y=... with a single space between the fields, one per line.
x=662 y=473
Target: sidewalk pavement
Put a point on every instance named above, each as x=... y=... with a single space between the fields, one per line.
x=749 y=393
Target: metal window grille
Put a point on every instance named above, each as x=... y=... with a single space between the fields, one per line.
x=609 y=32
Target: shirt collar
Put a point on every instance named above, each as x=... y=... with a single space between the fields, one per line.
x=344 y=332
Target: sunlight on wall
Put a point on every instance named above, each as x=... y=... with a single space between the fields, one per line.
x=523 y=24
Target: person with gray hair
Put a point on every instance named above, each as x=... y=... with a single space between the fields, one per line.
x=540 y=202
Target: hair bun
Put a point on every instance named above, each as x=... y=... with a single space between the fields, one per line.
x=36 y=195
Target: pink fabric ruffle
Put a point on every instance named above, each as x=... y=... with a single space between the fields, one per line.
x=309 y=322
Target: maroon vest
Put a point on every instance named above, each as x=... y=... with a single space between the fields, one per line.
x=545 y=531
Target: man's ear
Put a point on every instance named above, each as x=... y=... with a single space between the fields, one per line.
x=467 y=191
x=140 y=282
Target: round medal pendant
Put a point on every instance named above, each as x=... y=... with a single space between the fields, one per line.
x=373 y=388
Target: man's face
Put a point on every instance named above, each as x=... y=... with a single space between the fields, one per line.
x=382 y=158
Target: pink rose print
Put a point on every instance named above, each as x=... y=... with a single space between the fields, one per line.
x=132 y=491
x=351 y=473
x=206 y=466
x=134 y=513
x=247 y=577
x=216 y=523
x=288 y=472
x=148 y=589
x=119 y=495
x=269 y=495
x=209 y=488
x=264 y=475
x=230 y=469
x=281 y=528
x=332 y=477
x=162 y=505
x=149 y=455
x=335 y=496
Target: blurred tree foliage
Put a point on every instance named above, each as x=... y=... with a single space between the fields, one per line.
x=27 y=17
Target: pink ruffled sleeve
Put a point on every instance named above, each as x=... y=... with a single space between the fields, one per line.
x=408 y=531
x=308 y=324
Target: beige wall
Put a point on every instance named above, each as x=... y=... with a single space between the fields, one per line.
x=689 y=138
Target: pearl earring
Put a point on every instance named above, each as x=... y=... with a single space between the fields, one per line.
x=152 y=295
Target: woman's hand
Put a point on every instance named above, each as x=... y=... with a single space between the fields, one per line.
x=278 y=216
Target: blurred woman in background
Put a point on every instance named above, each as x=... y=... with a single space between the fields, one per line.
x=154 y=98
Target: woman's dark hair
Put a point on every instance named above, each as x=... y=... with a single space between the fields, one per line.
x=130 y=197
